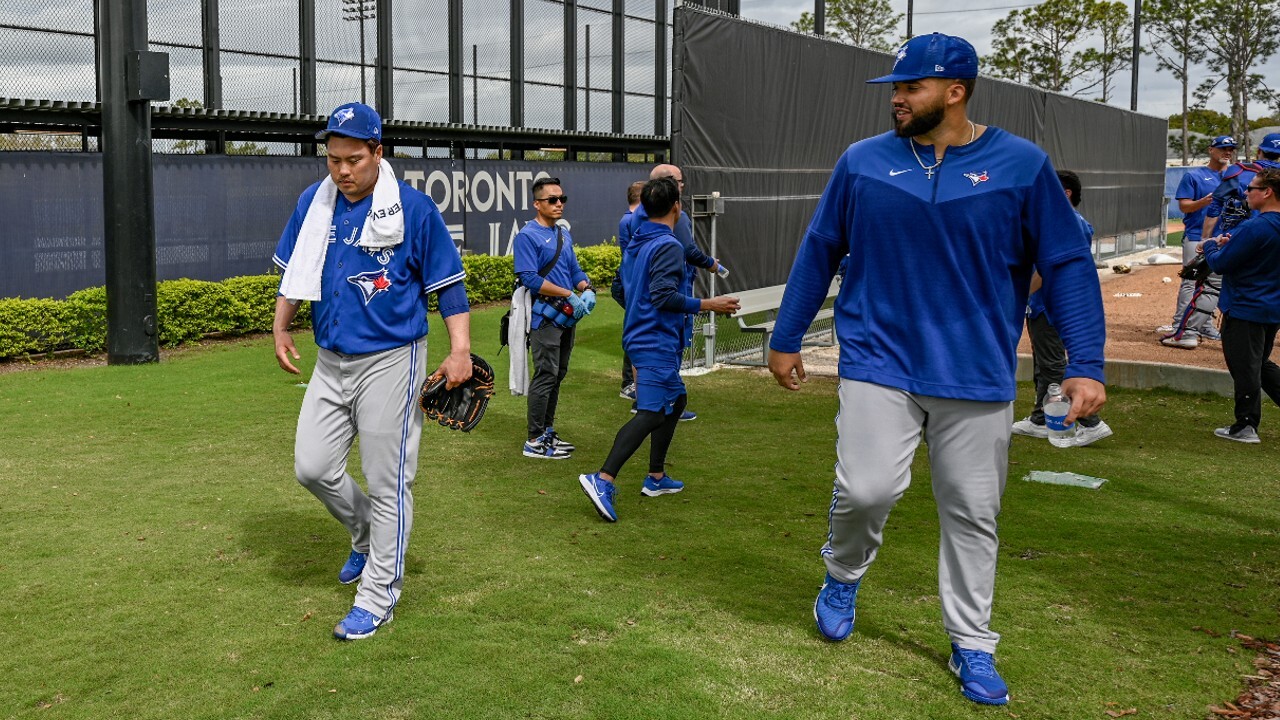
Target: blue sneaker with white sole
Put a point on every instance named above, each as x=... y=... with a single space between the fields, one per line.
x=600 y=491
x=359 y=624
x=688 y=415
x=666 y=485
x=835 y=608
x=352 y=569
x=979 y=680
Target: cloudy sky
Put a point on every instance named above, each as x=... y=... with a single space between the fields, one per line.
x=1158 y=92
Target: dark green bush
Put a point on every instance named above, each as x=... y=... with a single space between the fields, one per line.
x=31 y=326
x=87 y=319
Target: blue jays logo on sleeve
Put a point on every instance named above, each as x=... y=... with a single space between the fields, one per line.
x=976 y=178
x=344 y=115
x=371 y=283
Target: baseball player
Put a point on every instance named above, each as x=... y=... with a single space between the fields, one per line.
x=1195 y=192
x=546 y=264
x=366 y=250
x=978 y=210
x=653 y=333
x=616 y=290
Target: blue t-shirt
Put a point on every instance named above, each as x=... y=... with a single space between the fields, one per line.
x=938 y=270
x=535 y=245
x=376 y=299
x=1035 y=303
x=1195 y=184
x=1250 y=267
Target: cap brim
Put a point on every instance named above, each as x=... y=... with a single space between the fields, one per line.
x=892 y=78
x=324 y=135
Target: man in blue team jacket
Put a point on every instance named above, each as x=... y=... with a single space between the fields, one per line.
x=928 y=320
x=653 y=334
x=1249 y=262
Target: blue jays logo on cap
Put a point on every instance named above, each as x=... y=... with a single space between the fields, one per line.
x=1270 y=143
x=933 y=55
x=1223 y=141
x=371 y=283
x=353 y=120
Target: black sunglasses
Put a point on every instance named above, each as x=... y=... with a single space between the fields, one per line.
x=554 y=199
x=1255 y=187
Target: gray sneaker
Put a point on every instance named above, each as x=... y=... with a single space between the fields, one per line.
x=1030 y=429
x=1186 y=342
x=1088 y=435
x=1245 y=434
x=1211 y=333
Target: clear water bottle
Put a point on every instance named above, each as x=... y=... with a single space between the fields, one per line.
x=722 y=271
x=1056 y=407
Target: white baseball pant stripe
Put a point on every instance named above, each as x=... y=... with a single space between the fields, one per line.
x=878 y=431
x=374 y=397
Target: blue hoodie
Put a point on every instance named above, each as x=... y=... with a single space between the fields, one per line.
x=654 y=275
x=1250 y=267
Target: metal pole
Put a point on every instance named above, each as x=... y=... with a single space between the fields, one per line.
x=616 y=66
x=383 y=78
x=1137 y=34
x=517 y=65
x=819 y=17
x=660 y=69
x=307 y=66
x=475 y=86
x=362 y=97
x=128 y=189
x=587 y=92
x=570 y=38
x=457 y=109
x=910 y=16
x=212 y=42
x=710 y=330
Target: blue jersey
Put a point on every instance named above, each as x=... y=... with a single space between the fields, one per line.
x=653 y=332
x=1035 y=303
x=1195 y=184
x=535 y=246
x=1250 y=267
x=935 y=305
x=375 y=299
x=1229 y=204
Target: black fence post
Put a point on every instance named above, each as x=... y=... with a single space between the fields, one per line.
x=384 y=80
x=212 y=41
x=616 y=63
x=660 y=69
x=128 y=187
x=570 y=40
x=307 y=67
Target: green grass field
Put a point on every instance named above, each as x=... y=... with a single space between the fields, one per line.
x=160 y=560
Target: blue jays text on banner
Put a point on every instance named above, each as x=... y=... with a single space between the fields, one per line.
x=219 y=217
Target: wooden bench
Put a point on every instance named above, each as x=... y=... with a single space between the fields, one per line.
x=758 y=311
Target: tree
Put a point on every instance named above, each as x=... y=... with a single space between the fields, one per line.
x=1114 y=26
x=1173 y=35
x=866 y=23
x=1038 y=44
x=1244 y=36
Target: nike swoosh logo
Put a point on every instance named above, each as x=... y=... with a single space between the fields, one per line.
x=896 y=173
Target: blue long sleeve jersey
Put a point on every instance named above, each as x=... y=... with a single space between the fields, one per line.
x=939 y=269
x=1250 y=267
x=654 y=275
x=534 y=247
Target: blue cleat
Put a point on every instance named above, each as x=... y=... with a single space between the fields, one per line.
x=666 y=485
x=601 y=493
x=834 y=609
x=979 y=680
x=688 y=415
x=359 y=624
x=350 y=572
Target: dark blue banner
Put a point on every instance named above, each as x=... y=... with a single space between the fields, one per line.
x=219 y=217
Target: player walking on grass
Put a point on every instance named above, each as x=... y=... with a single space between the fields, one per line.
x=928 y=320
x=368 y=282
x=653 y=333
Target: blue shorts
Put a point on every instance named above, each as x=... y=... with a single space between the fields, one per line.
x=657 y=389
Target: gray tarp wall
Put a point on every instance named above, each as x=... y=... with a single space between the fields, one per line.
x=761 y=114
x=220 y=216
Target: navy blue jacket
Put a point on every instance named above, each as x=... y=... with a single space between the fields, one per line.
x=1250 y=267
x=654 y=272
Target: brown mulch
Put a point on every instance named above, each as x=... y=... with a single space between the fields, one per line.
x=1260 y=698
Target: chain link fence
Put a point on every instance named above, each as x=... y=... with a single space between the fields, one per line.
x=48 y=49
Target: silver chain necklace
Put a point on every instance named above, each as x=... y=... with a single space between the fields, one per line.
x=929 y=170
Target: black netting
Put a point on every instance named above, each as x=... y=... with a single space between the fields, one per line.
x=47 y=65
x=61 y=15
x=421 y=96
x=242 y=26
x=173 y=22
x=186 y=75
x=544 y=64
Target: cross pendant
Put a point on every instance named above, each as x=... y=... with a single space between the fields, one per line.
x=928 y=173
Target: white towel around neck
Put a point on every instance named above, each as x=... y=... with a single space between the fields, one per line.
x=383 y=228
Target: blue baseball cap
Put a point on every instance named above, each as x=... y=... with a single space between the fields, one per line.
x=353 y=120
x=933 y=55
x=1270 y=144
x=1223 y=141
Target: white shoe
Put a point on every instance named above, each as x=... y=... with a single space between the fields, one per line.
x=1165 y=330
x=1245 y=434
x=1186 y=342
x=1030 y=429
x=1089 y=435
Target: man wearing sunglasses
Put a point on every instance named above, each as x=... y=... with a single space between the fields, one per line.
x=546 y=264
x=1249 y=261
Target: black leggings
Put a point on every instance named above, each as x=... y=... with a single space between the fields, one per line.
x=630 y=436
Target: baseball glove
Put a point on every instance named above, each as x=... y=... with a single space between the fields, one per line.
x=462 y=407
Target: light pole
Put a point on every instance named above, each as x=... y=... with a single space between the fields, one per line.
x=359 y=11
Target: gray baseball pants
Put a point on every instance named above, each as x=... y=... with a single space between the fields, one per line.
x=878 y=430
x=1202 y=316
x=373 y=397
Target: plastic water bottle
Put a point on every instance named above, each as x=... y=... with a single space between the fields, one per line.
x=1056 y=407
x=722 y=271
